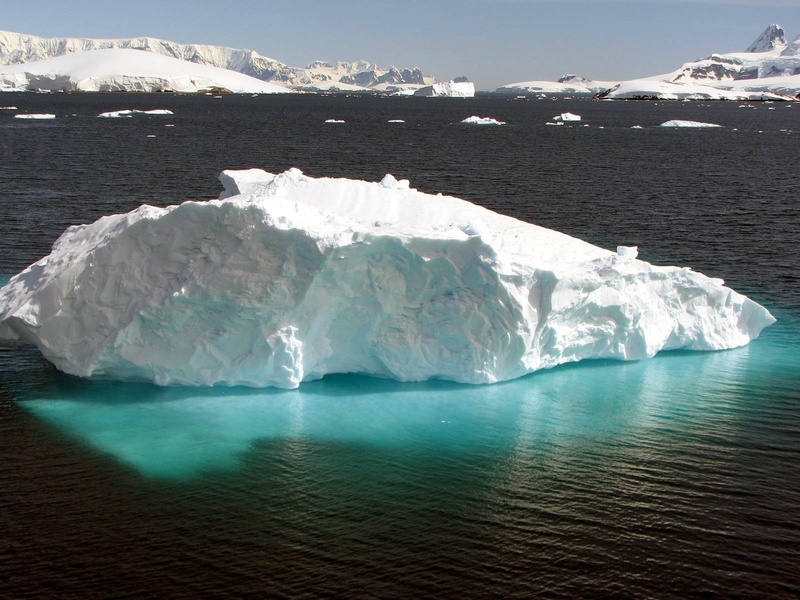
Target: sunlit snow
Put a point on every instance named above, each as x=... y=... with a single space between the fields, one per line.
x=288 y=278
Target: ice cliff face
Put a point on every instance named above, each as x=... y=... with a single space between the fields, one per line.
x=119 y=69
x=448 y=89
x=287 y=278
x=16 y=48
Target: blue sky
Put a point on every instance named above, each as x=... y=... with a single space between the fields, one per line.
x=491 y=41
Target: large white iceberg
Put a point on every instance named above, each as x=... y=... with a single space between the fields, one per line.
x=287 y=278
x=447 y=89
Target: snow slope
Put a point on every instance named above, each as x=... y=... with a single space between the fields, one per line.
x=769 y=65
x=127 y=70
x=648 y=89
x=17 y=48
x=568 y=84
x=287 y=278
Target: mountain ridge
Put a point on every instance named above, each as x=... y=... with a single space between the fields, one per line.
x=20 y=48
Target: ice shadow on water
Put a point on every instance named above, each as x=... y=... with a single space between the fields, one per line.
x=179 y=433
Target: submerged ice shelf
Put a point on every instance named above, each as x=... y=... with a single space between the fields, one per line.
x=287 y=278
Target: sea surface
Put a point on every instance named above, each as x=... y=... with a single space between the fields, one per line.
x=676 y=477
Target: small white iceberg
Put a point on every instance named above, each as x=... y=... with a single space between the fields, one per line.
x=35 y=116
x=679 y=123
x=335 y=121
x=567 y=117
x=8 y=108
x=396 y=121
x=473 y=120
x=116 y=114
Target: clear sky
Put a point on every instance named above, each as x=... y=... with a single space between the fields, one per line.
x=493 y=42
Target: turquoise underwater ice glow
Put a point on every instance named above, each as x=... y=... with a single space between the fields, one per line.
x=180 y=433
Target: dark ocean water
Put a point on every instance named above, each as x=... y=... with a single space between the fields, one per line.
x=670 y=478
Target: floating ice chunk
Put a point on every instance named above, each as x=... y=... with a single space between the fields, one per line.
x=389 y=182
x=482 y=121
x=396 y=121
x=335 y=121
x=567 y=117
x=289 y=278
x=679 y=123
x=43 y=116
x=129 y=113
x=8 y=108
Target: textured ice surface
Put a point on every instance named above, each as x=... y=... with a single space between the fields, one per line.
x=287 y=278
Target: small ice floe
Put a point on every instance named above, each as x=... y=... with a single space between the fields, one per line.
x=116 y=114
x=151 y=135
x=567 y=117
x=396 y=121
x=335 y=121
x=679 y=123
x=42 y=116
x=8 y=108
x=551 y=123
x=473 y=120
x=637 y=127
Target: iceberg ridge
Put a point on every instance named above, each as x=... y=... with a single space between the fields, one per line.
x=287 y=278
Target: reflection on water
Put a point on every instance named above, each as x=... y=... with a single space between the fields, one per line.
x=182 y=432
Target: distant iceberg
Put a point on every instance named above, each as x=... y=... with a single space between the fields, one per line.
x=448 y=89
x=680 y=123
x=567 y=117
x=474 y=120
x=41 y=116
x=115 y=114
x=287 y=278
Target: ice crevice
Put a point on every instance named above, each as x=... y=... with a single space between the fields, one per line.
x=286 y=278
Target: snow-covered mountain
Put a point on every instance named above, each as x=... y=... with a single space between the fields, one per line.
x=772 y=38
x=17 y=48
x=770 y=67
x=121 y=69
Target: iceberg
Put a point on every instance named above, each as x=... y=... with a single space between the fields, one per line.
x=567 y=117
x=286 y=278
x=682 y=123
x=475 y=120
x=34 y=116
x=116 y=114
x=447 y=89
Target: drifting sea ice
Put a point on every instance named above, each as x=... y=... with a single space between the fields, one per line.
x=567 y=117
x=287 y=278
x=43 y=116
x=482 y=121
x=129 y=113
x=679 y=123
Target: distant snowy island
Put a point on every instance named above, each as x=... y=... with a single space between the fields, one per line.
x=286 y=278
x=150 y=64
x=768 y=70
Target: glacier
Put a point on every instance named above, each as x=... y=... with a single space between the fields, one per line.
x=286 y=278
